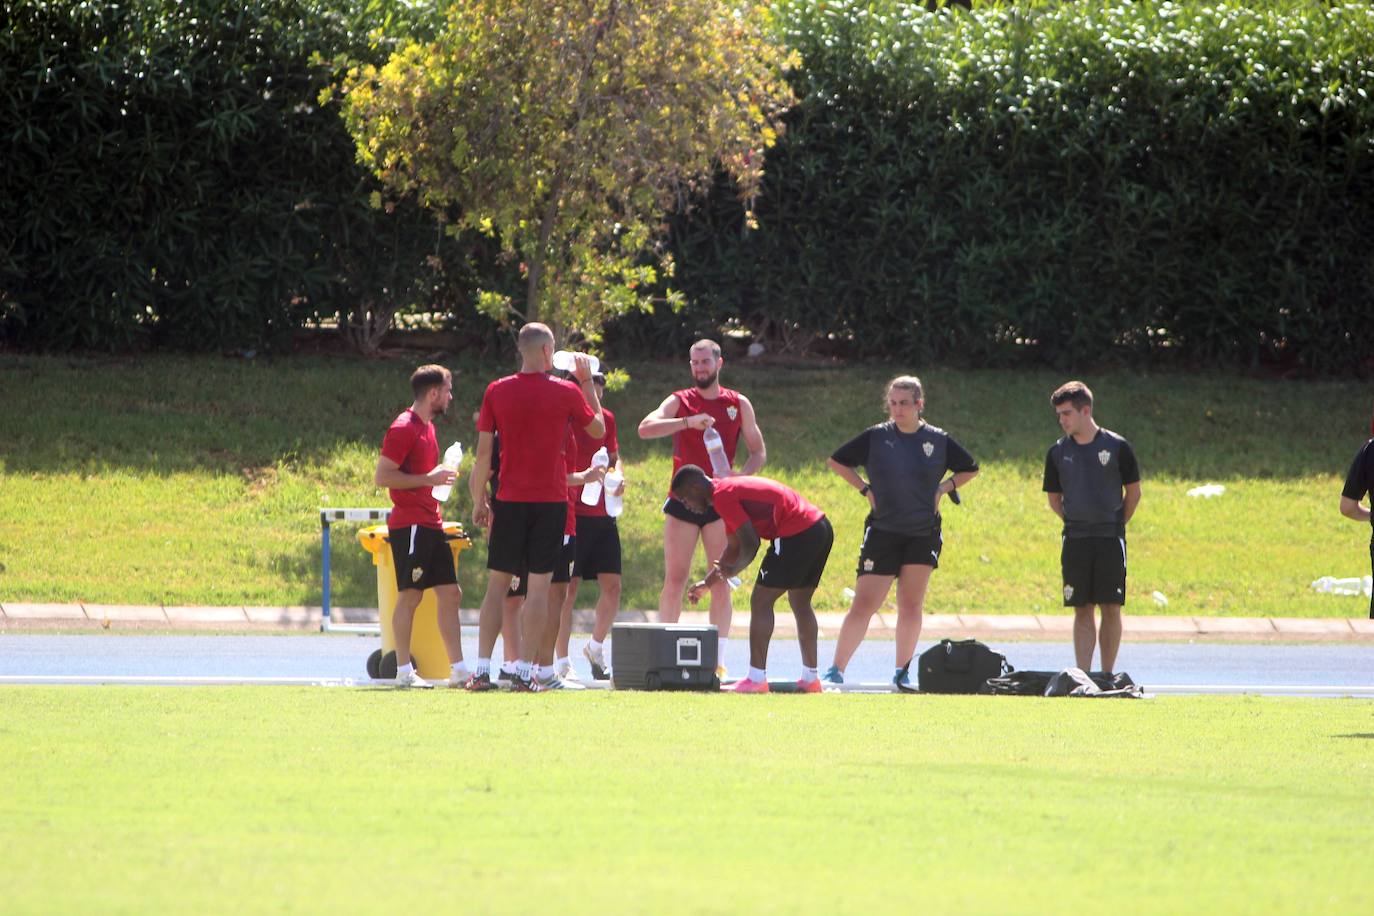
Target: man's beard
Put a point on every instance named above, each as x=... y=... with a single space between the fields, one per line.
x=703 y=384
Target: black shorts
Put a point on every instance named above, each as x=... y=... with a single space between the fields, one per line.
x=1094 y=571
x=525 y=537
x=798 y=561
x=884 y=553
x=678 y=509
x=422 y=557
x=567 y=555
x=598 y=547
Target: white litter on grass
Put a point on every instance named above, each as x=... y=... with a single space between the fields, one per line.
x=1160 y=599
x=1350 y=585
x=848 y=594
x=1207 y=490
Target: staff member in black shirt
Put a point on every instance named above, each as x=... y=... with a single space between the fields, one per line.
x=1093 y=484
x=1359 y=481
x=906 y=459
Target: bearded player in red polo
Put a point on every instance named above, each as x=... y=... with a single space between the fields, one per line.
x=530 y=410
x=685 y=415
x=752 y=508
x=409 y=468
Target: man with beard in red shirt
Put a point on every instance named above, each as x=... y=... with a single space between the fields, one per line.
x=686 y=415
x=409 y=468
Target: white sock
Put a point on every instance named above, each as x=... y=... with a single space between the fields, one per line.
x=546 y=672
x=562 y=664
x=522 y=668
x=483 y=667
x=597 y=647
x=403 y=670
x=458 y=670
x=757 y=675
x=809 y=675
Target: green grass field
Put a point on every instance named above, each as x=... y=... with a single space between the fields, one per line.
x=176 y=480
x=140 y=800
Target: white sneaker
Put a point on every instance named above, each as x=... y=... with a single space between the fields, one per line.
x=457 y=682
x=412 y=679
x=539 y=685
x=600 y=670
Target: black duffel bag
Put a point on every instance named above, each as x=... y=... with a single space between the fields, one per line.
x=1039 y=684
x=959 y=666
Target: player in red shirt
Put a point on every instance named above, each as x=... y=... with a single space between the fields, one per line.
x=409 y=467
x=598 y=547
x=685 y=415
x=531 y=411
x=752 y=508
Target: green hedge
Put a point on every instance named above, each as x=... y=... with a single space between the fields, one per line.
x=170 y=178
x=1060 y=183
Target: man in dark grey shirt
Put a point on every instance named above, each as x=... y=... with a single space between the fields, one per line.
x=1359 y=481
x=1093 y=484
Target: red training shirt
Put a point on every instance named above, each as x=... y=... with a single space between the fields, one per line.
x=586 y=448
x=411 y=443
x=570 y=463
x=776 y=511
x=531 y=412
x=688 y=445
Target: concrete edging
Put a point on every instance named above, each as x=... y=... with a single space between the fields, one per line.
x=18 y=615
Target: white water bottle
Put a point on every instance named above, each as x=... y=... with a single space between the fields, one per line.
x=720 y=465
x=615 y=502
x=591 y=493
x=563 y=361
x=452 y=458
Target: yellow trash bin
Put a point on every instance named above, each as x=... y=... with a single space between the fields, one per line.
x=426 y=645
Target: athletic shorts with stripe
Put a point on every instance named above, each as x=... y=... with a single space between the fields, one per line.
x=798 y=561
x=884 y=553
x=598 y=547
x=1094 y=570
x=562 y=571
x=422 y=558
x=525 y=536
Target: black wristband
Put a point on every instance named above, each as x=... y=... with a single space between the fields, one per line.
x=864 y=490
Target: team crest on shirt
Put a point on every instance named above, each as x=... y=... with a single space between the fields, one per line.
x=1068 y=593
x=732 y=412
x=416 y=573
x=928 y=448
x=1104 y=456
x=868 y=566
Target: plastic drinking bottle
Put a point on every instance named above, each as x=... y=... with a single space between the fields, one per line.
x=452 y=458
x=563 y=361
x=614 y=503
x=591 y=493
x=720 y=465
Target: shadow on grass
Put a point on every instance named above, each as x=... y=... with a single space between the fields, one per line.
x=1366 y=735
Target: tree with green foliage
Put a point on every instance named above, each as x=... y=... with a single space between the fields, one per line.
x=568 y=128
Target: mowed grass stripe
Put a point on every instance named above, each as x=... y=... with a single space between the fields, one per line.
x=195 y=481
x=311 y=800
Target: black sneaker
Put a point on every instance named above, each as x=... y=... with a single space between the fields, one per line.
x=479 y=682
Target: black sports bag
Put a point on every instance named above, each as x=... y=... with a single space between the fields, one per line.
x=959 y=666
